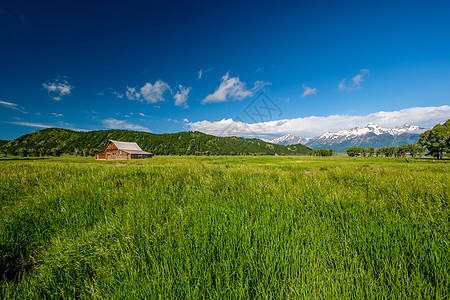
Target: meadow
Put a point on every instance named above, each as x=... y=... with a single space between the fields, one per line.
x=234 y=227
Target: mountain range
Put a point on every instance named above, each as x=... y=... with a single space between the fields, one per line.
x=372 y=135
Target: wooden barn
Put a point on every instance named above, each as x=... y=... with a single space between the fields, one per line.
x=116 y=150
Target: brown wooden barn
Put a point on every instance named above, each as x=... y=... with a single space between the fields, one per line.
x=116 y=150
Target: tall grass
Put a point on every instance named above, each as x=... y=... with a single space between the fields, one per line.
x=224 y=227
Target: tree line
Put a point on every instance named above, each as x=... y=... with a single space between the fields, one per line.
x=396 y=151
x=41 y=152
x=321 y=152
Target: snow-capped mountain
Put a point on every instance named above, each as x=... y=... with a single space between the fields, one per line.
x=289 y=139
x=372 y=135
x=370 y=128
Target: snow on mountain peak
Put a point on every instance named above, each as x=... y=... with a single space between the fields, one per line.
x=372 y=125
x=348 y=134
x=408 y=127
x=377 y=130
x=289 y=139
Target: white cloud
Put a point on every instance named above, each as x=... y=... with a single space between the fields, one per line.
x=308 y=91
x=29 y=124
x=112 y=123
x=342 y=86
x=355 y=82
x=132 y=94
x=152 y=93
x=12 y=106
x=24 y=21
x=259 y=84
x=57 y=115
x=173 y=120
x=118 y=95
x=203 y=72
x=58 y=88
x=41 y=125
x=109 y=91
x=181 y=96
x=69 y=126
x=231 y=88
x=312 y=126
x=258 y=69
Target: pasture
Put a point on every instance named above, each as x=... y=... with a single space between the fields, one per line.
x=224 y=227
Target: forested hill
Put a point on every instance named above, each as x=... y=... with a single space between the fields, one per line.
x=56 y=140
x=2 y=142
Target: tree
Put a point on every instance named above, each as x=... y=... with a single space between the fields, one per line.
x=364 y=151
x=413 y=149
x=384 y=151
x=402 y=150
x=41 y=151
x=56 y=152
x=91 y=152
x=321 y=152
x=354 y=151
x=22 y=152
x=32 y=152
x=394 y=151
x=437 y=140
x=371 y=151
x=379 y=152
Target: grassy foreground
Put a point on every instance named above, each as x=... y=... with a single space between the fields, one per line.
x=224 y=227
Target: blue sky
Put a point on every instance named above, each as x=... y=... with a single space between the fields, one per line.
x=167 y=66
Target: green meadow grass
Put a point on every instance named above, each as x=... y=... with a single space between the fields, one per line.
x=224 y=227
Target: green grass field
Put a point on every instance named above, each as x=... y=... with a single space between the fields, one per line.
x=224 y=228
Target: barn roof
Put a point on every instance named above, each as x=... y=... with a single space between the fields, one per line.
x=129 y=147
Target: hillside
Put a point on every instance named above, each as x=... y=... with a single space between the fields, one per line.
x=181 y=143
x=2 y=142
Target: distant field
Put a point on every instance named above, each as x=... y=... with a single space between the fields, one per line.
x=224 y=227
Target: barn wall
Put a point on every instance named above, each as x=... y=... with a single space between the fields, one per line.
x=112 y=153
x=139 y=156
x=116 y=155
x=100 y=155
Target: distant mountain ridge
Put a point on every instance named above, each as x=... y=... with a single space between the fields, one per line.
x=181 y=143
x=372 y=135
x=288 y=139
